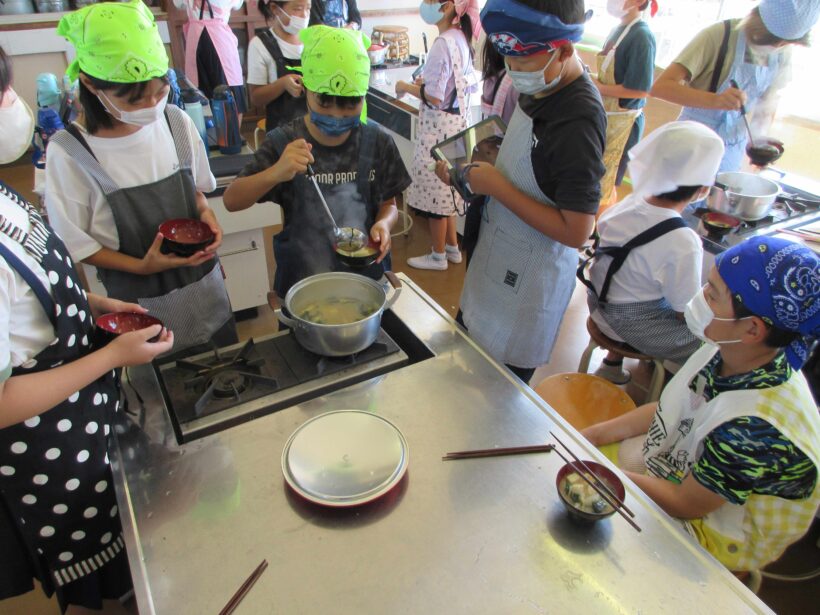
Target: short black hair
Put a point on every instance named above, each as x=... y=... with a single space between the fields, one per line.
x=94 y=113
x=343 y=102
x=264 y=7
x=681 y=193
x=568 y=11
x=5 y=73
x=776 y=338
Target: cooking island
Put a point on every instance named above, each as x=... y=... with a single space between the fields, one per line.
x=470 y=536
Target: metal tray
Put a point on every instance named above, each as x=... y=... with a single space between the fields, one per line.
x=345 y=458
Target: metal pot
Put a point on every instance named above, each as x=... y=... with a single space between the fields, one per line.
x=337 y=340
x=747 y=196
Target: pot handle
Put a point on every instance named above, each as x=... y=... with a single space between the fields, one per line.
x=396 y=284
x=285 y=319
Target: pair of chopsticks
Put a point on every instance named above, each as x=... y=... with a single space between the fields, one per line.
x=498 y=452
x=600 y=486
x=244 y=589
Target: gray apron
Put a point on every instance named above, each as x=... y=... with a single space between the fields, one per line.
x=519 y=281
x=651 y=327
x=191 y=301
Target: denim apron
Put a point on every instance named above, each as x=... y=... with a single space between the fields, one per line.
x=754 y=80
x=191 y=301
x=519 y=281
x=56 y=490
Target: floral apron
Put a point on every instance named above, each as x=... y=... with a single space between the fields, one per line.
x=427 y=192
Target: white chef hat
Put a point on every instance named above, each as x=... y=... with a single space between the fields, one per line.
x=676 y=154
x=789 y=19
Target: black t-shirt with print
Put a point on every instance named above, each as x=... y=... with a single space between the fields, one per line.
x=335 y=165
x=569 y=135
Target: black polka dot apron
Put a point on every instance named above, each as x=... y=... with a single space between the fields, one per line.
x=55 y=479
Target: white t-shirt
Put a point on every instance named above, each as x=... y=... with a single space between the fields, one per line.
x=25 y=329
x=668 y=267
x=261 y=66
x=76 y=204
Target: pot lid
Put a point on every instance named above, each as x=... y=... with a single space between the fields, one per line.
x=345 y=458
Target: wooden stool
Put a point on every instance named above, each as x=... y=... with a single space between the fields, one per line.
x=583 y=399
x=597 y=339
x=259 y=133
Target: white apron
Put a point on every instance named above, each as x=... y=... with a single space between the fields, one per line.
x=519 y=281
x=748 y=536
x=428 y=192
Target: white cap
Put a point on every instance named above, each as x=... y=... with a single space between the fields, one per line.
x=676 y=154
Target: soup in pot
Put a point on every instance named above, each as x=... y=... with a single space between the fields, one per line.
x=338 y=311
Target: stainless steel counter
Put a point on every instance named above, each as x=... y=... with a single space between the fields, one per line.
x=474 y=536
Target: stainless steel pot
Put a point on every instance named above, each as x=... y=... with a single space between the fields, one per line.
x=337 y=340
x=747 y=196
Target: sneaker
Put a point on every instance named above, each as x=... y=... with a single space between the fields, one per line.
x=453 y=254
x=616 y=374
x=428 y=261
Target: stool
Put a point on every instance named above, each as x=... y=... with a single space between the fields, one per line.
x=259 y=130
x=597 y=339
x=583 y=399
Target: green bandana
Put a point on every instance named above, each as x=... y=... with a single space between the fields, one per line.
x=335 y=61
x=115 y=41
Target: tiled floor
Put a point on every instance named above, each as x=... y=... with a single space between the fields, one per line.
x=445 y=288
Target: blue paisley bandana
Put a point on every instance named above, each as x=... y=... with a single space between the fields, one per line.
x=779 y=281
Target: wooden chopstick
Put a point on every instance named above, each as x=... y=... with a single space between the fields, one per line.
x=603 y=494
x=600 y=482
x=244 y=589
x=498 y=452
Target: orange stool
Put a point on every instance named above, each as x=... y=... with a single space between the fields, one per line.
x=259 y=133
x=583 y=399
x=597 y=339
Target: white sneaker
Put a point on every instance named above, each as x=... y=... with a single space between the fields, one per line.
x=453 y=254
x=428 y=261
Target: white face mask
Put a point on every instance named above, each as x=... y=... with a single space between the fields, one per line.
x=698 y=315
x=295 y=25
x=533 y=82
x=762 y=51
x=140 y=117
x=16 y=126
x=616 y=8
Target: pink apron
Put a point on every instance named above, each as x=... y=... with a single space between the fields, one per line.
x=223 y=38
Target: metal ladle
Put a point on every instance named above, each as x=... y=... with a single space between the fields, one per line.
x=347 y=238
x=743 y=113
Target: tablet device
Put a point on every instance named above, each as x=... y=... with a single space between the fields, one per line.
x=478 y=143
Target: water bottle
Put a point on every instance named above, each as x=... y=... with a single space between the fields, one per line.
x=210 y=130
x=192 y=106
x=226 y=119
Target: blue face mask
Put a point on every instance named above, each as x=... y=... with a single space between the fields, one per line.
x=334 y=126
x=431 y=13
x=532 y=82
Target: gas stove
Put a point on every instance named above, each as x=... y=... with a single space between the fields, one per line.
x=211 y=391
x=795 y=206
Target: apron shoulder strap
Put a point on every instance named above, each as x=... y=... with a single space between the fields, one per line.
x=179 y=133
x=202 y=9
x=619 y=254
x=75 y=145
x=40 y=291
x=721 y=56
x=268 y=40
x=367 y=156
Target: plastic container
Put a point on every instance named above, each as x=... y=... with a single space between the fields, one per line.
x=17 y=7
x=192 y=106
x=226 y=120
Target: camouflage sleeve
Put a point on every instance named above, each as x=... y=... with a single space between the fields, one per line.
x=749 y=456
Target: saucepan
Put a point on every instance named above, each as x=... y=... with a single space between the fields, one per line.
x=338 y=314
x=744 y=195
